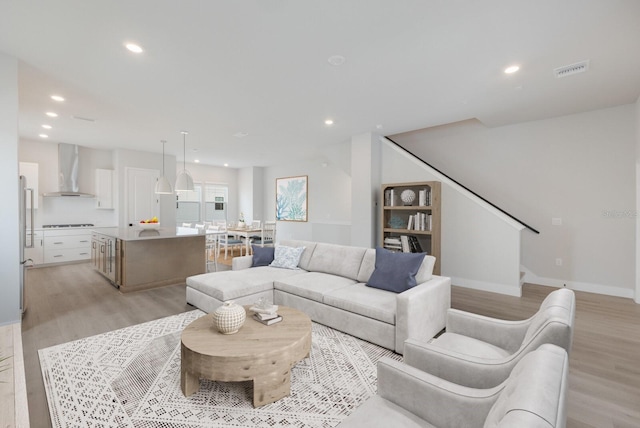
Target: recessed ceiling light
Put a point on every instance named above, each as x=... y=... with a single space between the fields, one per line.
x=57 y=98
x=336 y=60
x=379 y=127
x=133 y=47
x=47 y=126
x=328 y=122
x=226 y=164
x=43 y=136
x=197 y=160
x=52 y=114
x=512 y=69
x=240 y=134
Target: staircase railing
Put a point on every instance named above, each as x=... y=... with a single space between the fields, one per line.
x=465 y=187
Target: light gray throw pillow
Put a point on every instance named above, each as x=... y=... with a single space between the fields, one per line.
x=286 y=257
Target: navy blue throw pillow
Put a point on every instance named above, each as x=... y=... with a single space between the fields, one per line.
x=395 y=271
x=262 y=256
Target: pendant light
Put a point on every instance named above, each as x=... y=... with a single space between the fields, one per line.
x=163 y=187
x=184 y=180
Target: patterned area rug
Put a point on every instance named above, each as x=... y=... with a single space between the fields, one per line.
x=131 y=378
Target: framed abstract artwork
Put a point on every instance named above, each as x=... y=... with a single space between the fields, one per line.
x=291 y=198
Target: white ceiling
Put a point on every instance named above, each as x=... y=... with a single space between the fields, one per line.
x=216 y=68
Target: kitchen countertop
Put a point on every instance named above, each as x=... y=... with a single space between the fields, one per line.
x=137 y=234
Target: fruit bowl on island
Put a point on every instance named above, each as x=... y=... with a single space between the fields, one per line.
x=149 y=224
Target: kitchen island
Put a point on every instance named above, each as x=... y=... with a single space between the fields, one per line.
x=135 y=259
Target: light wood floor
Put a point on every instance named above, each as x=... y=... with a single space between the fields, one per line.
x=70 y=302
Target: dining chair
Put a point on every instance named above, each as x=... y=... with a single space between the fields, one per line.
x=229 y=242
x=200 y=226
x=211 y=246
x=255 y=224
x=189 y=225
x=267 y=235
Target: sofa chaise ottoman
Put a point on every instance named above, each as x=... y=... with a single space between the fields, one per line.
x=329 y=284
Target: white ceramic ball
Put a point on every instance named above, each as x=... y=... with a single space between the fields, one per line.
x=408 y=196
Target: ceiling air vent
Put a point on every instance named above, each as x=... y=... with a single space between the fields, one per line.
x=568 y=70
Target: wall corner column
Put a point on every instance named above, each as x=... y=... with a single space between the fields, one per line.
x=637 y=258
x=365 y=186
x=9 y=212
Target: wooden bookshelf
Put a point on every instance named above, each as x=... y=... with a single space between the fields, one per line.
x=416 y=218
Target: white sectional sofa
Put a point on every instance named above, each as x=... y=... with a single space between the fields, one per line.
x=330 y=287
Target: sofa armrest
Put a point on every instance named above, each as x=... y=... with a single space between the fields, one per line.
x=437 y=401
x=501 y=333
x=421 y=310
x=243 y=262
x=462 y=369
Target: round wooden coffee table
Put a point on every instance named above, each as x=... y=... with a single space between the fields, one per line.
x=261 y=353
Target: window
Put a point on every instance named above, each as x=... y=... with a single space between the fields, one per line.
x=206 y=202
x=189 y=204
x=215 y=202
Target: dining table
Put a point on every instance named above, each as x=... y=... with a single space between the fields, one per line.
x=246 y=233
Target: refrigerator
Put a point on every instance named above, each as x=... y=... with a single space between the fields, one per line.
x=26 y=233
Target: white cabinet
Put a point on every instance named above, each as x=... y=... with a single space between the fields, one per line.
x=35 y=253
x=104 y=189
x=30 y=171
x=67 y=245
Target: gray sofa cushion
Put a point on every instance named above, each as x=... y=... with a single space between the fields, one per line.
x=337 y=260
x=469 y=346
x=365 y=301
x=309 y=248
x=368 y=265
x=228 y=285
x=395 y=271
x=312 y=285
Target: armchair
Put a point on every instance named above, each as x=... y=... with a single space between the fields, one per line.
x=480 y=352
x=533 y=396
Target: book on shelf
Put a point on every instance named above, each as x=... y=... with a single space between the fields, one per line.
x=269 y=321
x=405 y=244
x=420 y=222
x=389 y=195
x=424 y=197
x=415 y=244
x=392 y=243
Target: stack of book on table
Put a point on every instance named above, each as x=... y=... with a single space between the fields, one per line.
x=266 y=315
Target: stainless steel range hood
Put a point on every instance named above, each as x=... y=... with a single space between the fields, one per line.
x=68 y=173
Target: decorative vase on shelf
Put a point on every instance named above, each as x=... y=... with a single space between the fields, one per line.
x=229 y=317
x=408 y=196
x=242 y=224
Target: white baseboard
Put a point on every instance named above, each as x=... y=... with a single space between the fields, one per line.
x=588 y=287
x=509 y=290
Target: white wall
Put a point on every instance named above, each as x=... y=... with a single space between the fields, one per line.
x=245 y=196
x=67 y=210
x=578 y=168
x=123 y=159
x=480 y=246
x=329 y=201
x=217 y=175
x=9 y=213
